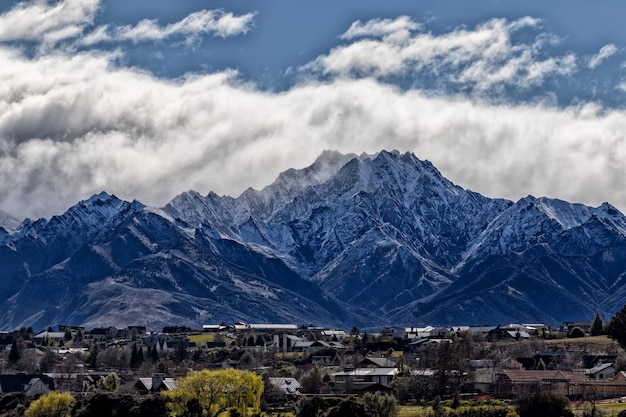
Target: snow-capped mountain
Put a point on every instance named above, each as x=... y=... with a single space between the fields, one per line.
x=350 y=240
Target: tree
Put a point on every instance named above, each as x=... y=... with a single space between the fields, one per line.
x=312 y=381
x=92 y=358
x=597 y=327
x=14 y=353
x=154 y=354
x=217 y=391
x=540 y=403
x=576 y=332
x=109 y=382
x=380 y=405
x=617 y=327
x=54 y=404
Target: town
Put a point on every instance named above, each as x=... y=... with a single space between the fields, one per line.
x=421 y=368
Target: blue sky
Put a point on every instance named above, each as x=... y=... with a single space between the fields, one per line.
x=147 y=99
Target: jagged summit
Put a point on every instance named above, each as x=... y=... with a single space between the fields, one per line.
x=351 y=239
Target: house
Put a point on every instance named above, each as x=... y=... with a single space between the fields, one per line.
x=30 y=385
x=286 y=386
x=374 y=362
x=590 y=361
x=48 y=337
x=333 y=335
x=512 y=332
x=108 y=332
x=372 y=373
x=214 y=328
x=543 y=360
x=157 y=383
x=585 y=326
x=515 y=382
x=359 y=379
x=393 y=332
x=601 y=372
x=214 y=345
x=440 y=333
x=310 y=345
x=418 y=332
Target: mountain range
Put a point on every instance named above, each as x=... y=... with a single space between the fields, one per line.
x=352 y=240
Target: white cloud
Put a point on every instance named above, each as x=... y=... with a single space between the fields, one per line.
x=215 y=22
x=73 y=21
x=480 y=59
x=605 y=52
x=73 y=125
x=381 y=27
x=40 y=20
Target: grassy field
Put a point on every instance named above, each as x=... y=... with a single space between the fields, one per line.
x=607 y=409
x=602 y=342
x=201 y=338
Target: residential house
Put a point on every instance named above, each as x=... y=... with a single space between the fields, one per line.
x=585 y=326
x=590 y=361
x=601 y=372
x=45 y=337
x=512 y=332
x=362 y=379
x=543 y=360
x=376 y=362
x=440 y=333
x=30 y=385
x=308 y=345
x=393 y=332
x=516 y=382
x=286 y=386
x=333 y=335
x=157 y=383
x=419 y=332
x=371 y=374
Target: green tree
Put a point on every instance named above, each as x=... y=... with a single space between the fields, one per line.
x=349 y=407
x=597 y=327
x=109 y=382
x=617 y=327
x=380 y=405
x=540 y=403
x=312 y=381
x=15 y=353
x=217 y=391
x=576 y=332
x=92 y=358
x=54 y=404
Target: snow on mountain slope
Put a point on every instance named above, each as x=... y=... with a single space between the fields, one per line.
x=350 y=240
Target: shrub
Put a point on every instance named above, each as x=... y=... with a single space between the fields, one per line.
x=544 y=404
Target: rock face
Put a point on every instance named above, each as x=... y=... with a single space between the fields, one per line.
x=351 y=240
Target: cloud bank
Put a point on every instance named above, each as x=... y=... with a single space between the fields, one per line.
x=75 y=123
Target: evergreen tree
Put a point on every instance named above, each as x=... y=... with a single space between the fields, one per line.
x=617 y=327
x=597 y=327
x=78 y=337
x=14 y=353
x=134 y=360
x=140 y=355
x=154 y=355
x=92 y=359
